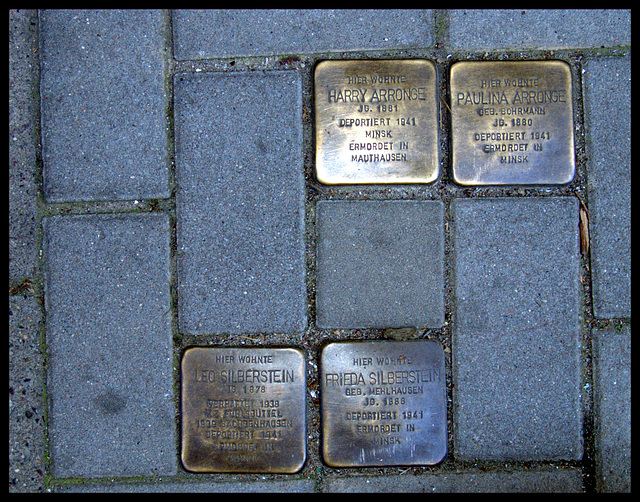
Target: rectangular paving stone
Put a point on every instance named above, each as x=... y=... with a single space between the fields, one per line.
x=542 y=480
x=26 y=405
x=516 y=337
x=612 y=396
x=380 y=264
x=549 y=28
x=240 y=202
x=104 y=125
x=212 y=33
x=108 y=332
x=284 y=485
x=23 y=192
x=608 y=133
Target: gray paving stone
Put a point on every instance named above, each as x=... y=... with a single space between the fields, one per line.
x=516 y=337
x=241 y=263
x=530 y=481
x=104 y=126
x=22 y=145
x=108 y=332
x=26 y=402
x=227 y=33
x=380 y=264
x=181 y=486
x=608 y=132
x=612 y=395
x=240 y=202
x=549 y=28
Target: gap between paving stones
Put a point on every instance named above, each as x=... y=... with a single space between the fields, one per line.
x=364 y=193
x=167 y=205
x=443 y=189
x=313 y=338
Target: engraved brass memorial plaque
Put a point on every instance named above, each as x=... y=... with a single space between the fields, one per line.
x=243 y=410
x=512 y=122
x=383 y=403
x=376 y=121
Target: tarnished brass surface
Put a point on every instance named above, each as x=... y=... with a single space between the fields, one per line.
x=512 y=122
x=383 y=403
x=243 y=410
x=376 y=121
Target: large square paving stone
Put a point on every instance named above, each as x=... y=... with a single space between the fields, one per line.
x=516 y=337
x=380 y=264
x=240 y=202
x=110 y=377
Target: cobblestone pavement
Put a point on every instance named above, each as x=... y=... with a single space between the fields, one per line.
x=162 y=195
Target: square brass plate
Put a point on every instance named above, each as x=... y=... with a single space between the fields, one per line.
x=376 y=121
x=512 y=122
x=383 y=403
x=243 y=410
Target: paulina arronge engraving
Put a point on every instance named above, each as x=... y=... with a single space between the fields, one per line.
x=512 y=122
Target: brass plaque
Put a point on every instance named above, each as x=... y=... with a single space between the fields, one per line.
x=383 y=403
x=243 y=410
x=376 y=121
x=512 y=122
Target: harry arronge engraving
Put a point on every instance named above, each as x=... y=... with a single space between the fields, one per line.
x=376 y=121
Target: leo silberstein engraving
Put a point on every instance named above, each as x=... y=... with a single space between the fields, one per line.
x=383 y=403
x=512 y=122
x=376 y=122
x=243 y=410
